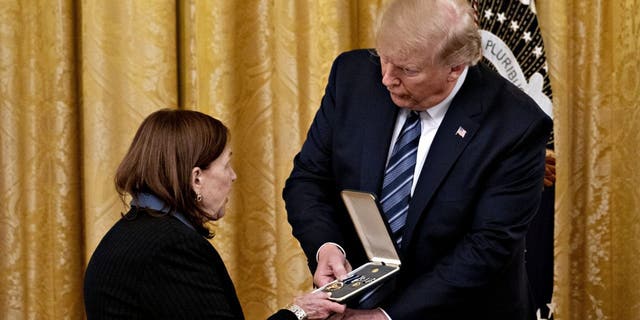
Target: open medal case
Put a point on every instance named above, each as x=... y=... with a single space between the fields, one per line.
x=376 y=240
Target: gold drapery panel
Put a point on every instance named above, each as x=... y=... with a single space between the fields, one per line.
x=77 y=77
x=261 y=67
x=592 y=51
x=41 y=216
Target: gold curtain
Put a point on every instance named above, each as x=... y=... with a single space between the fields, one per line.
x=261 y=66
x=592 y=50
x=77 y=77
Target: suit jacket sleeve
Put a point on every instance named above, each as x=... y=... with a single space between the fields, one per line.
x=283 y=314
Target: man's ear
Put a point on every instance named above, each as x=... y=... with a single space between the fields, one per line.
x=455 y=72
x=196 y=184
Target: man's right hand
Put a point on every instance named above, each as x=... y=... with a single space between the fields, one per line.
x=332 y=265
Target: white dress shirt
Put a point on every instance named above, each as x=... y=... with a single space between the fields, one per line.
x=430 y=121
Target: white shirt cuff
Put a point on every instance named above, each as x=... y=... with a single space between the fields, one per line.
x=385 y=313
x=333 y=243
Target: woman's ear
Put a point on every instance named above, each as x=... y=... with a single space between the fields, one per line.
x=196 y=184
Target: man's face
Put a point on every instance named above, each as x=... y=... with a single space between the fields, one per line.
x=414 y=82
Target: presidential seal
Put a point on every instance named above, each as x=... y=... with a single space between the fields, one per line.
x=512 y=45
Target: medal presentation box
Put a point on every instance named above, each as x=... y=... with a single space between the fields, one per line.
x=376 y=240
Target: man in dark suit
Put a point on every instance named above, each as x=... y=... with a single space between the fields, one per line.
x=476 y=167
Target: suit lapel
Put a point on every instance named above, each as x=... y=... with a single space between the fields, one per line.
x=446 y=147
x=379 y=119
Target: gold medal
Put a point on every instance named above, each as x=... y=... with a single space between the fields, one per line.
x=333 y=287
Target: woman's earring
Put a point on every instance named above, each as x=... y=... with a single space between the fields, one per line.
x=198 y=197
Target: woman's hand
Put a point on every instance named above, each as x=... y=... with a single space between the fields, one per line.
x=317 y=305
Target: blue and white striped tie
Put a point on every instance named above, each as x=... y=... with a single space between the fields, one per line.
x=398 y=177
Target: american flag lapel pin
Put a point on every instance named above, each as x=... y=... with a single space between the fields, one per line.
x=461 y=132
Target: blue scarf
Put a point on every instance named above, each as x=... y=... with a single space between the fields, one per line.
x=150 y=201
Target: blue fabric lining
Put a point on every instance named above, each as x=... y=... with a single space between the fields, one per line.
x=151 y=201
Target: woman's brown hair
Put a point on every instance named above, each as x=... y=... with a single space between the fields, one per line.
x=165 y=149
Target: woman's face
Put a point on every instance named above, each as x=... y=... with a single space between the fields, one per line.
x=214 y=184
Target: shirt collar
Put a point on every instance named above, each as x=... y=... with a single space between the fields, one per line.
x=438 y=111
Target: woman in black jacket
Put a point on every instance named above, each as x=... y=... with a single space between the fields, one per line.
x=156 y=262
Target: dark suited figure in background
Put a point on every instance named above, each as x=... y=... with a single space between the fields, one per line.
x=156 y=262
x=474 y=147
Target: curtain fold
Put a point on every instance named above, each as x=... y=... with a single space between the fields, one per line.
x=128 y=69
x=261 y=66
x=78 y=76
x=594 y=66
x=41 y=223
